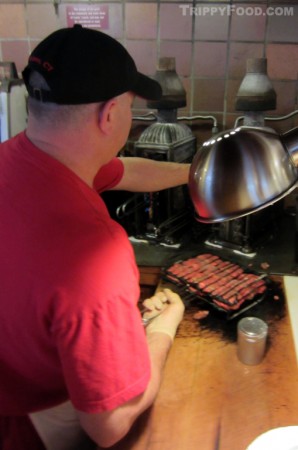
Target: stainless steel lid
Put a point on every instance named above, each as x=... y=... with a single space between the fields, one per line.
x=240 y=171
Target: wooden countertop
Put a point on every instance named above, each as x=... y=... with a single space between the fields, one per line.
x=210 y=401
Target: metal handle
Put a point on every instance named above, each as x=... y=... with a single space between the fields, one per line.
x=128 y=207
x=12 y=70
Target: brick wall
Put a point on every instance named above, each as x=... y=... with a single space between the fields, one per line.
x=210 y=43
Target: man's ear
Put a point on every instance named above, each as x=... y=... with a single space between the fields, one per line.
x=106 y=115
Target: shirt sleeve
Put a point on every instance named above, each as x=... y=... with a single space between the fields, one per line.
x=105 y=363
x=109 y=175
x=97 y=327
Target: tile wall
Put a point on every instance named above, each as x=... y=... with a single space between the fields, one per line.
x=210 y=43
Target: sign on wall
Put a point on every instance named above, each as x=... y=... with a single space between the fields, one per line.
x=90 y=16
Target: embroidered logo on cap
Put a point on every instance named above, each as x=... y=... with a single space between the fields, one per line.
x=45 y=64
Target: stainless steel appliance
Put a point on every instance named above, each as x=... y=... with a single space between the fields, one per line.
x=255 y=96
x=242 y=171
x=238 y=177
x=13 y=111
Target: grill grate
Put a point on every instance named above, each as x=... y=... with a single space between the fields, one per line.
x=221 y=284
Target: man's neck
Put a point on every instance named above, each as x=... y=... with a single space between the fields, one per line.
x=72 y=153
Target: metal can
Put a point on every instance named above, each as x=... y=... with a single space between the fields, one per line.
x=251 y=340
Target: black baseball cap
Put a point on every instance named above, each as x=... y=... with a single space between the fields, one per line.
x=82 y=65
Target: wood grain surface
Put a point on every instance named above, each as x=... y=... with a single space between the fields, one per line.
x=210 y=401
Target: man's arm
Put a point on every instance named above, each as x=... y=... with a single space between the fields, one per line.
x=147 y=175
x=107 y=428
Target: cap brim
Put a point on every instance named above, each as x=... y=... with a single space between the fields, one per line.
x=147 y=88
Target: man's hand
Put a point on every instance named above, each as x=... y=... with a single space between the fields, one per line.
x=166 y=308
x=154 y=305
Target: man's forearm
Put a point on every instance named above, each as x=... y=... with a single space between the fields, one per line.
x=108 y=428
x=147 y=175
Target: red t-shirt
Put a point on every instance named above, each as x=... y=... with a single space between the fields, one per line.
x=69 y=325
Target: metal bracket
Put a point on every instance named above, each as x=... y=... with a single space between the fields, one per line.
x=56 y=6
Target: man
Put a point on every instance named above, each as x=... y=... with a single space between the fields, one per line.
x=74 y=354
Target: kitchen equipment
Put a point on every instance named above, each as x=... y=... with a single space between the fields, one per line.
x=251 y=341
x=147 y=320
x=256 y=92
x=241 y=171
x=246 y=169
x=226 y=287
x=161 y=217
x=245 y=234
x=13 y=110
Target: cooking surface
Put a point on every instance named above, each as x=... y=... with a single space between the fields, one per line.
x=225 y=286
x=276 y=255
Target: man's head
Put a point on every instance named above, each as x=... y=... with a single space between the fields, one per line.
x=83 y=66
